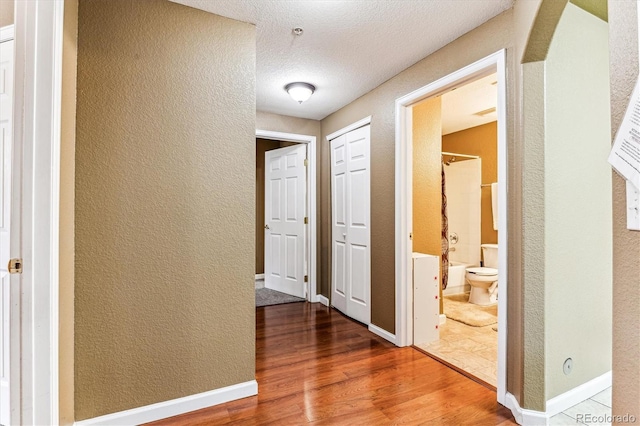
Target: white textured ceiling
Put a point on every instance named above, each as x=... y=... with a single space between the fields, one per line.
x=470 y=105
x=348 y=47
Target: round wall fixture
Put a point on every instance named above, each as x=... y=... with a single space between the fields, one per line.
x=297 y=31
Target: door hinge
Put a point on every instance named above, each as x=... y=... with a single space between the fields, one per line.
x=306 y=162
x=306 y=220
x=306 y=278
x=411 y=235
x=15 y=266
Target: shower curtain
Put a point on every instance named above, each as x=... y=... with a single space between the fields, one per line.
x=445 y=235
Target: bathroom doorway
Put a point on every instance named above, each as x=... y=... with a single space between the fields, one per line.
x=459 y=154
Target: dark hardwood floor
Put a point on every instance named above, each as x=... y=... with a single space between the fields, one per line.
x=316 y=366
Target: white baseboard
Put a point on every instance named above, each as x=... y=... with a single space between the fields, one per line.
x=578 y=394
x=320 y=298
x=559 y=403
x=523 y=416
x=383 y=333
x=259 y=277
x=174 y=407
x=443 y=319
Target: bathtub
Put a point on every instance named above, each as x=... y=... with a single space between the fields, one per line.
x=457 y=284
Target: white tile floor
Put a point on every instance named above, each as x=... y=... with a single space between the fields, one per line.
x=471 y=349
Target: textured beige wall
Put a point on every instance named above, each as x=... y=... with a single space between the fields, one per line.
x=577 y=202
x=483 y=142
x=524 y=14
x=427 y=177
x=543 y=29
x=67 y=205
x=490 y=37
x=165 y=187
x=533 y=222
x=302 y=126
x=623 y=45
x=6 y=12
x=287 y=124
x=595 y=7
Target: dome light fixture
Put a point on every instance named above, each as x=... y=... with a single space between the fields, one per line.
x=300 y=91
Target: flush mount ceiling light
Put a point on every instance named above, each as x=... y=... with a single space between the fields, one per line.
x=299 y=91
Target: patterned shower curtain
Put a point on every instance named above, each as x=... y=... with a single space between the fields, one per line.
x=445 y=235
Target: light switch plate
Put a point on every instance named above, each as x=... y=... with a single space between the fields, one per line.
x=633 y=207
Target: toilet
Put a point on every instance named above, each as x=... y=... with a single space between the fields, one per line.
x=484 y=280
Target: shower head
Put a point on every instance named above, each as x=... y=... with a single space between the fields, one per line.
x=451 y=160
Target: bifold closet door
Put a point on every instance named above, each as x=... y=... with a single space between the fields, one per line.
x=350 y=230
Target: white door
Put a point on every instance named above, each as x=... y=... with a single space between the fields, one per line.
x=6 y=118
x=285 y=201
x=350 y=230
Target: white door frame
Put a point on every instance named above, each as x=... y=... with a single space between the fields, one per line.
x=312 y=295
x=404 y=201
x=36 y=205
x=7 y=34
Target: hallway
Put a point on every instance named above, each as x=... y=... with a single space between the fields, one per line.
x=315 y=366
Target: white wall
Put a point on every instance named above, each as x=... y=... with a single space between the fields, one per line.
x=577 y=202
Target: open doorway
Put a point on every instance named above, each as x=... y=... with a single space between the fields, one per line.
x=289 y=260
x=455 y=178
x=264 y=146
x=408 y=219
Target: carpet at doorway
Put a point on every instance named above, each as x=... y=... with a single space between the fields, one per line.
x=267 y=297
x=458 y=308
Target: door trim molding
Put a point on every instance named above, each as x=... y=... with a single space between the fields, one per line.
x=404 y=200
x=350 y=127
x=312 y=296
x=36 y=205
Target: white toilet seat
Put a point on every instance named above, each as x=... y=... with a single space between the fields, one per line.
x=482 y=271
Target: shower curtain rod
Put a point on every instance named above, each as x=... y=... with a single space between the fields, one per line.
x=460 y=155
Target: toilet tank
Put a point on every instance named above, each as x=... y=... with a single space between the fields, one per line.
x=490 y=255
